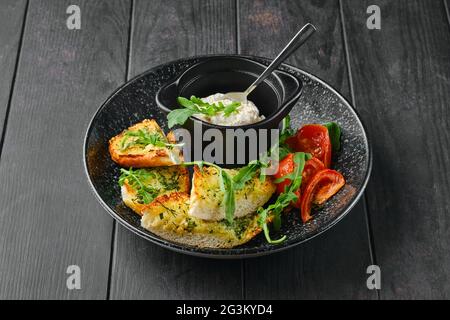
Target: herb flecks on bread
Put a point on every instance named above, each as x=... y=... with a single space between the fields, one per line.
x=145 y=145
x=167 y=216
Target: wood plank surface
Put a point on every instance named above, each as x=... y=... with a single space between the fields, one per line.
x=49 y=219
x=447 y=8
x=12 y=15
x=334 y=264
x=166 y=30
x=401 y=77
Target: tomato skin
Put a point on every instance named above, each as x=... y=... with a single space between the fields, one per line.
x=285 y=167
x=312 y=166
x=322 y=186
x=292 y=142
x=313 y=139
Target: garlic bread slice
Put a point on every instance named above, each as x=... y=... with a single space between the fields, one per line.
x=145 y=145
x=140 y=187
x=206 y=195
x=167 y=216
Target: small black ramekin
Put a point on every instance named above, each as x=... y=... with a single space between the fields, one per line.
x=275 y=97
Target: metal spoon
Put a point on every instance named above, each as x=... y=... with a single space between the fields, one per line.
x=300 y=38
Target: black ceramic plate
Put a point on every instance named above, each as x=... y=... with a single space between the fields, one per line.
x=319 y=103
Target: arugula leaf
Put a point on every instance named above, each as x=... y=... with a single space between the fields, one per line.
x=143 y=137
x=334 y=131
x=299 y=159
x=246 y=174
x=196 y=105
x=231 y=108
x=291 y=176
x=186 y=103
x=283 y=151
x=197 y=101
x=284 y=199
x=263 y=222
x=230 y=185
x=137 y=180
x=179 y=116
x=286 y=132
x=226 y=186
x=286 y=129
x=229 y=196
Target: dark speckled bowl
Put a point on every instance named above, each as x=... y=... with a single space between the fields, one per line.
x=319 y=103
x=275 y=98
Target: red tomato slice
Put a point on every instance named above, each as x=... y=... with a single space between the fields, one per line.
x=285 y=167
x=312 y=166
x=292 y=142
x=322 y=186
x=313 y=139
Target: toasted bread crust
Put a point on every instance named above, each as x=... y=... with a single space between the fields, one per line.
x=158 y=219
x=151 y=158
x=129 y=194
x=206 y=196
x=175 y=214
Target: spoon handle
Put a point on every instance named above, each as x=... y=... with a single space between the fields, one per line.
x=300 y=38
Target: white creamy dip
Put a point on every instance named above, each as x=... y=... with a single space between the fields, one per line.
x=246 y=113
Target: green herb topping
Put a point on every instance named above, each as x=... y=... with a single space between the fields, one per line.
x=284 y=199
x=196 y=105
x=148 y=184
x=229 y=185
x=137 y=180
x=143 y=138
x=239 y=225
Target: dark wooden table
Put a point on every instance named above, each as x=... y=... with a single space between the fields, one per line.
x=53 y=79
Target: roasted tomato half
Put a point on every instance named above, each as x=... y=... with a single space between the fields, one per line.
x=312 y=166
x=313 y=139
x=287 y=166
x=322 y=186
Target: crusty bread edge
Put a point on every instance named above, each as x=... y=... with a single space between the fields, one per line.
x=157 y=158
x=195 y=239
x=128 y=193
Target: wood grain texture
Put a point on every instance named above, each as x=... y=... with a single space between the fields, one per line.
x=12 y=15
x=162 y=31
x=447 y=8
x=332 y=266
x=169 y=30
x=267 y=25
x=49 y=219
x=401 y=79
